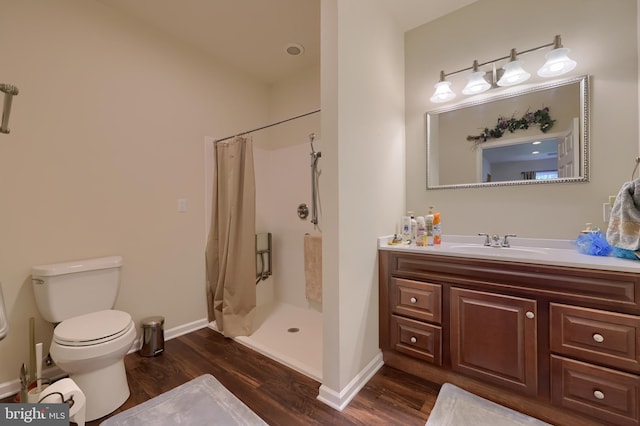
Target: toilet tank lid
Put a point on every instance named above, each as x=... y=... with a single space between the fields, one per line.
x=76 y=266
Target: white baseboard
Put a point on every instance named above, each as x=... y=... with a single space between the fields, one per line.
x=339 y=400
x=12 y=387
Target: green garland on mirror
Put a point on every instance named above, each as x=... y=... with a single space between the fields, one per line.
x=539 y=118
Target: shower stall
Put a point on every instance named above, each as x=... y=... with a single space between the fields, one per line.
x=287 y=326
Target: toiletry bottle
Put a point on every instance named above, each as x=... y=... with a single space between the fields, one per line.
x=414 y=226
x=421 y=230
x=428 y=219
x=437 y=230
x=406 y=228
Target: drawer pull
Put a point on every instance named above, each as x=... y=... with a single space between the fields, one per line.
x=413 y=339
x=530 y=315
x=598 y=338
x=598 y=394
x=413 y=300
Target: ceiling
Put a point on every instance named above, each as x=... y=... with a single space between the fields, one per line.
x=252 y=35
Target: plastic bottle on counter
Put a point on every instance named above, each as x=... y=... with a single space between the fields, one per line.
x=405 y=224
x=414 y=227
x=421 y=230
x=428 y=235
x=437 y=229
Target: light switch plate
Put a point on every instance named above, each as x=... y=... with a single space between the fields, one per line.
x=606 y=212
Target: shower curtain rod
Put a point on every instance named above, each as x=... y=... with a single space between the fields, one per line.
x=267 y=126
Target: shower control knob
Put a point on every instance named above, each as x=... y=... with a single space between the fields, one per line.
x=303 y=211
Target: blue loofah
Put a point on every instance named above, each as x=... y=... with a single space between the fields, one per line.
x=624 y=254
x=594 y=244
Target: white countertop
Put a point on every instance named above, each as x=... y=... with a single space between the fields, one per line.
x=523 y=250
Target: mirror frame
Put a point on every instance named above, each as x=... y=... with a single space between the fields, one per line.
x=583 y=176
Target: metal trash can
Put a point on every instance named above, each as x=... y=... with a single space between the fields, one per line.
x=152 y=336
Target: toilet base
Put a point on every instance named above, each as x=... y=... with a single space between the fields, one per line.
x=106 y=389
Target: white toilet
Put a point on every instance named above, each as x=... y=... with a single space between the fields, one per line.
x=91 y=339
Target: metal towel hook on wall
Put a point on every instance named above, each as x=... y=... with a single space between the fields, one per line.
x=9 y=92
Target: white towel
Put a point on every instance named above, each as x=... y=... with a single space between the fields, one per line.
x=624 y=224
x=313 y=267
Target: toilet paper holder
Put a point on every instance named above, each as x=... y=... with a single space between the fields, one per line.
x=66 y=391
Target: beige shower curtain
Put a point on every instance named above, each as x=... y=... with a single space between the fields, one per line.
x=230 y=253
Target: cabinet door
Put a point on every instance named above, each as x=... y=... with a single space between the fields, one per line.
x=494 y=338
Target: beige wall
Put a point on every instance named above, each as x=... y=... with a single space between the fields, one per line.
x=106 y=134
x=602 y=38
x=363 y=150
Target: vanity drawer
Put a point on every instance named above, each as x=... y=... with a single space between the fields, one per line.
x=596 y=391
x=418 y=339
x=604 y=337
x=416 y=299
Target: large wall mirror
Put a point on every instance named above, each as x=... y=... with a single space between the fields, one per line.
x=531 y=136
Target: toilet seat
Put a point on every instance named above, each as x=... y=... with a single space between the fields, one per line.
x=92 y=329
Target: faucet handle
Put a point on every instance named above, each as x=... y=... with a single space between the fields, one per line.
x=487 y=241
x=505 y=242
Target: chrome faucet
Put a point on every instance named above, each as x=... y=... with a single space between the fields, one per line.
x=505 y=241
x=494 y=240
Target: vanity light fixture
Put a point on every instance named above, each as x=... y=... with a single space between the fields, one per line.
x=558 y=61
x=512 y=73
x=477 y=83
x=443 y=91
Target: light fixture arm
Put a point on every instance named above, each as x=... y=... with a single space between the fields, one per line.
x=557 y=43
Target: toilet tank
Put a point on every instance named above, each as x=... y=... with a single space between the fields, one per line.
x=69 y=289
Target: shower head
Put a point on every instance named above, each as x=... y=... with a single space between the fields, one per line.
x=312 y=137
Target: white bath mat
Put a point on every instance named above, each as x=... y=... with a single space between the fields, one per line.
x=202 y=401
x=457 y=407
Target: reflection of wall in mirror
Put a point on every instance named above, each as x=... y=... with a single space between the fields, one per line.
x=458 y=154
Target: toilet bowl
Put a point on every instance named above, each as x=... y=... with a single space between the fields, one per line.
x=90 y=339
x=91 y=349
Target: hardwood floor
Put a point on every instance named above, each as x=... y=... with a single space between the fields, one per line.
x=279 y=395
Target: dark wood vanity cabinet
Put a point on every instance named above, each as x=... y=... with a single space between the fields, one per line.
x=559 y=343
x=493 y=337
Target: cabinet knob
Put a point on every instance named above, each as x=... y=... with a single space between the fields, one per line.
x=598 y=394
x=530 y=315
x=413 y=339
x=598 y=338
x=413 y=300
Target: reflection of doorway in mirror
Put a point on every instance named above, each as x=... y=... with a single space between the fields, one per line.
x=513 y=159
x=568 y=153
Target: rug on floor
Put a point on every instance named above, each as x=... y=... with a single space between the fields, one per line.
x=457 y=407
x=201 y=401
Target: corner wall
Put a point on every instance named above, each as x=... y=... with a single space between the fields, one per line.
x=106 y=135
x=363 y=155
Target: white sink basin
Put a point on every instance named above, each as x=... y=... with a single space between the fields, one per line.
x=512 y=251
x=523 y=250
